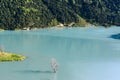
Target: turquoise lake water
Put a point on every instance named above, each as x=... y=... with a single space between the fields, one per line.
x=82 y=54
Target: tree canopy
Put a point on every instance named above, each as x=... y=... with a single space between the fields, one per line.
x=43 y=13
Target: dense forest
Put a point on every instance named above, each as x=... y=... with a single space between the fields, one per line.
x=17 y=14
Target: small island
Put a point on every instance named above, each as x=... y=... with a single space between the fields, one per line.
x=5 y=56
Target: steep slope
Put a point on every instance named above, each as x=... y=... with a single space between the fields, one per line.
x=43 y=13
x=23 y=13
x=105 y=12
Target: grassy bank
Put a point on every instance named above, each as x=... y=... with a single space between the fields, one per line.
x=4 y=56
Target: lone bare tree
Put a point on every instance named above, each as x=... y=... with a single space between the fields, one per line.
x=54 y=64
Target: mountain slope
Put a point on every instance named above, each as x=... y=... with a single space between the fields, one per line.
x=43 y=13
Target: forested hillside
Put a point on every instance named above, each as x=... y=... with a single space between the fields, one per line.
x=17 y=14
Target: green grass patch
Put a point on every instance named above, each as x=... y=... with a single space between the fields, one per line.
x=4 y=56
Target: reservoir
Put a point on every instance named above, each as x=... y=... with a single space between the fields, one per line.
x=82 y=54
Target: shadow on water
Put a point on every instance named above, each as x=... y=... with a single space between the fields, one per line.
x=115 y=36
x=35 y=71
x=54 y=77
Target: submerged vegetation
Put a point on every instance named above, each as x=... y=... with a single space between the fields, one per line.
x=4 y=56
x=18 y=14
x=115 y=36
